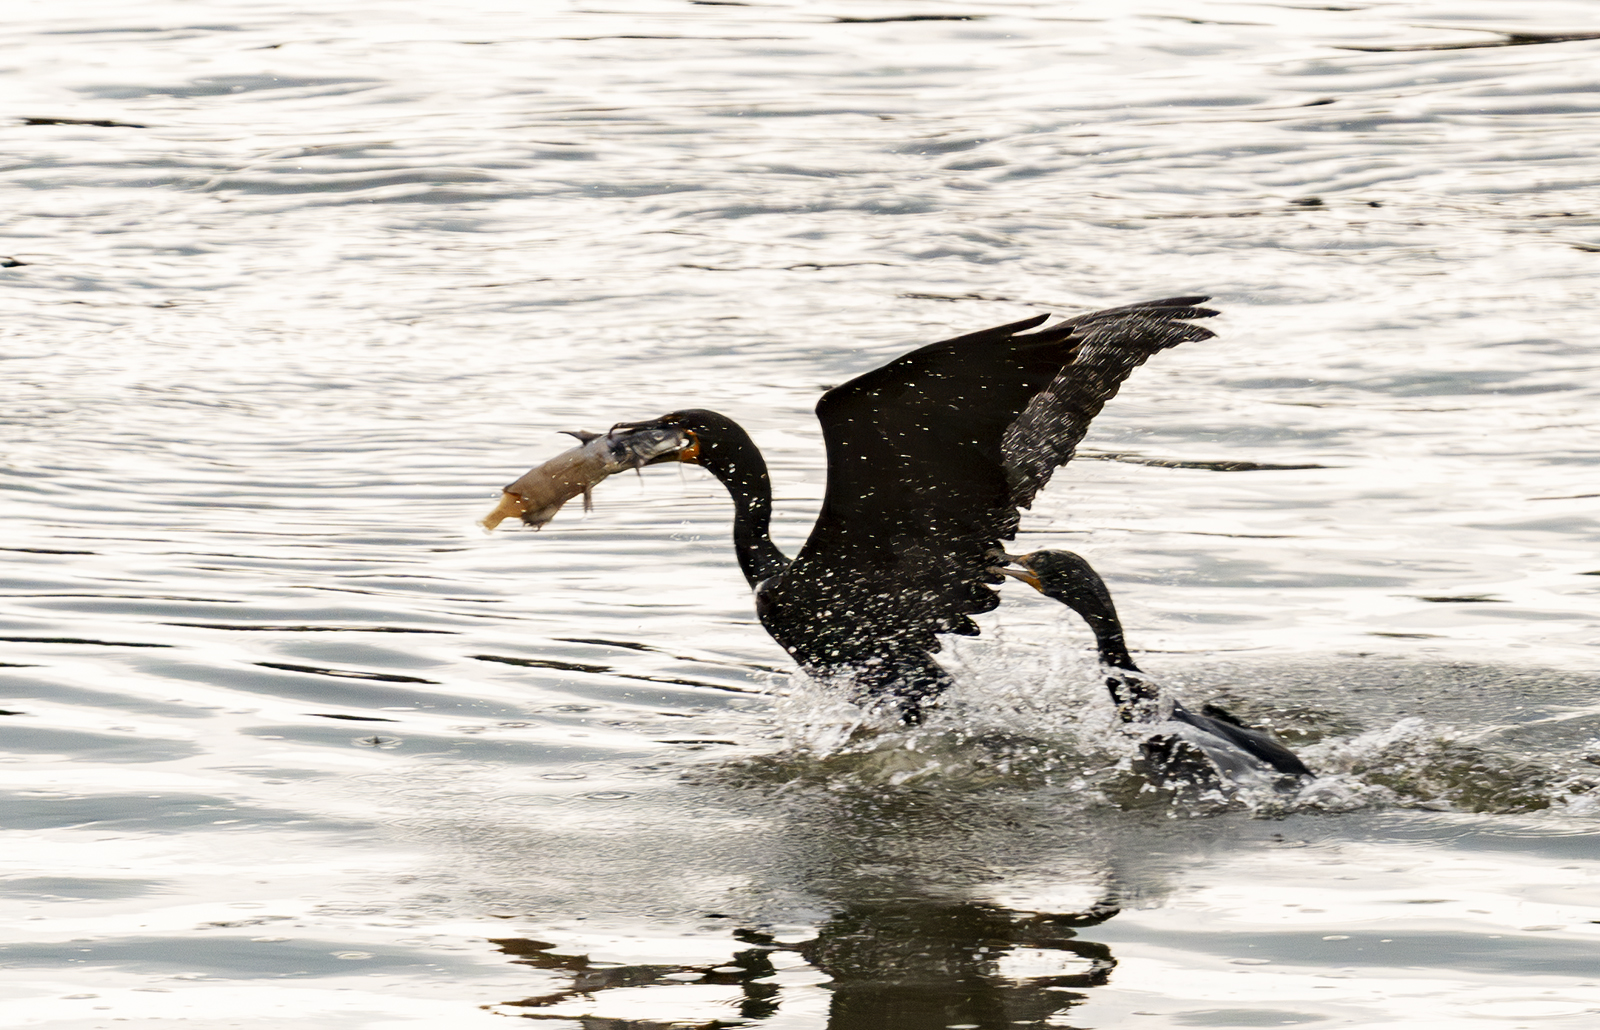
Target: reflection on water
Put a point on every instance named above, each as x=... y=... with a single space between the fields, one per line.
x=894 y=966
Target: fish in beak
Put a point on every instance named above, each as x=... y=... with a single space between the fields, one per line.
x=539 y=494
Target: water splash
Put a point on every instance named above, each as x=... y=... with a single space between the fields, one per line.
x=1026 y=716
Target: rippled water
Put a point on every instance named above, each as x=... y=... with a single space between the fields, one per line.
x=289 y=742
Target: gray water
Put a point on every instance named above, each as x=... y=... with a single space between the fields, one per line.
x=290 y=742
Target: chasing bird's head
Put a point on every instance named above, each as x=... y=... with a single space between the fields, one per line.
x=1061 y=575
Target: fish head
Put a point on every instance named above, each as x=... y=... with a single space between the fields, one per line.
x=635 y=445
x=715 y=442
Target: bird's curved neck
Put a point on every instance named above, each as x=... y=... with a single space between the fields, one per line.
x=759 y=557
x=735 y=459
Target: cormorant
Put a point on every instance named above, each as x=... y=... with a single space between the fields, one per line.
x=929 y=459
x=1236 y=750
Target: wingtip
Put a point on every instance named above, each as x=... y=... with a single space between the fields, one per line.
x=1166 y=309
x=1177 y=308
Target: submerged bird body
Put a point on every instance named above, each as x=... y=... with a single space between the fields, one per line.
x=930 y=458
x=1194 y=743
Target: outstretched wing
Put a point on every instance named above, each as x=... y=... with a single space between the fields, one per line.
x=929 y=458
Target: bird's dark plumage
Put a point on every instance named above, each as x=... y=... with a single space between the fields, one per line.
x=930 y=458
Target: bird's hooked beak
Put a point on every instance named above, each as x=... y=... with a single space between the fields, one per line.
x=1025 y=573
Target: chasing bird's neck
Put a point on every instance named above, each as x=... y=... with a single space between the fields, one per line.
x=1135 y=697
x=1108 y=638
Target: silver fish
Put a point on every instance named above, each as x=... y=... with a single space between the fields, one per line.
x=540 y=492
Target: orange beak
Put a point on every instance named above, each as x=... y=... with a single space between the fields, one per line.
x=1025 y=574
x=691 y=453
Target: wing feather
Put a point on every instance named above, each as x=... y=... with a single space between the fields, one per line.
x=1046 y=435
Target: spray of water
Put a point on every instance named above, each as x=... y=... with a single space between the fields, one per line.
x=1035 y=715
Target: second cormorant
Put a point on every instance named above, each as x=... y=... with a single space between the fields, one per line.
x=1194 y=743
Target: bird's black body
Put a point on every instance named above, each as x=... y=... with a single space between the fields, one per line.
x=930 y=458
x=1222 y=742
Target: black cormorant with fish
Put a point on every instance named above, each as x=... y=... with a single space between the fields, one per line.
x=931 y=457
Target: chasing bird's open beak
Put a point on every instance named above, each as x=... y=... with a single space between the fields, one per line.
x=1025 y=573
